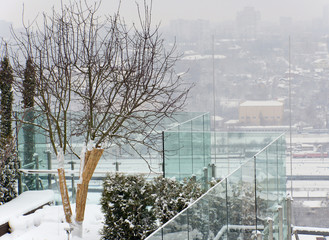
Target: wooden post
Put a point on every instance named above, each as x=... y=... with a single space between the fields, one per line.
x=64 y=195
x=91 y=160
x=82 y=190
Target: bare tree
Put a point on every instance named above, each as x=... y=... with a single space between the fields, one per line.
x=109 y=82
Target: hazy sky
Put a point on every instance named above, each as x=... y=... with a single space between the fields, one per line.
x=165 y=10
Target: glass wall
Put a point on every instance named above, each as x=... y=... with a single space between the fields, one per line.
x=231 y=149
x=37 y=154
x=239 y=204
x=191 y=147
x=187 y=148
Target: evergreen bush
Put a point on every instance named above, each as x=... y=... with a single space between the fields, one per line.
x=8 y=173
x=8 y=154
x=134 y=207
x=125 y=202
x=28 y=93
x=171 y=196
x=6 y=81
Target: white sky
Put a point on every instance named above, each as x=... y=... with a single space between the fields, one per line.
x=165 y=10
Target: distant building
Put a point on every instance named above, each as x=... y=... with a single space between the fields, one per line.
x=248 y=22
x=217 y=122
x=261 y=113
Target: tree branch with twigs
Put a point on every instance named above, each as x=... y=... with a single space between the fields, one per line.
x=111 y=82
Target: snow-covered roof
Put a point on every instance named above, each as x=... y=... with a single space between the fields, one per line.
x=261 y=104
x=232 y=121
x=217 y=118
x=201 y=57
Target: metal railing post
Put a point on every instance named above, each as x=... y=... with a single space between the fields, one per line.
x=36 y=159
x=20 y=180
x=289 y=213
x=280 y=222
x=193 y=178
x=205 y=177
x=163 y=155
x=259 y=235
x=49 y=168
x=270 y=228
x=72 y=179
x=213 y=170
x=116 y=163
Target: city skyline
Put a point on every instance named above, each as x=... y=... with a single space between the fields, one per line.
x=165 y=11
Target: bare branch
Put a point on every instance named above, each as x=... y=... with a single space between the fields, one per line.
x=99 y=79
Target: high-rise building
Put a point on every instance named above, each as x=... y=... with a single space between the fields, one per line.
x=247 y=22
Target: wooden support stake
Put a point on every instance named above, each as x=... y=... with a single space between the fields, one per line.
x=91 y=163
x=91 y=160
x=82 y=190
x=65 y=195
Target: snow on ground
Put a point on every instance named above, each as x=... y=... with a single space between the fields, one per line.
x=307 y=237
x=25 y=203
x=47 y=223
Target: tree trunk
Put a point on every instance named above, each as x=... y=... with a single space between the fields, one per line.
x=65 y=195
x=91 y=160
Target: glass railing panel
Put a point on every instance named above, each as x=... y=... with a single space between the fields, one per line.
x=185 y=154
x=192 y=122
x=262 y=186
x=204 y=219
x=177 y=228
x=229 y=210
x=270 y=194
x=281 y=146
x=207 y=154
x=198 y=217
x=208 y=216
x=248 y=193
x=234 y=202
x=158 y=235
x=230 y=150
x=276 y=221
x=217 y=213
x=197 y=124
x=200 y=152
x=206 y=122
x=219 y=153
x=172 y=154
x=241 y=202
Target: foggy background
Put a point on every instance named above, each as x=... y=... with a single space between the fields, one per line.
x=249 y=41
x=236 y=51
x=164 y=11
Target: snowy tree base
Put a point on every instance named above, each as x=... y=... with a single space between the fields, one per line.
x=77 y=229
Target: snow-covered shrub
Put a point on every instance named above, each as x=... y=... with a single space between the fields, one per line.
x=171 y=197
x=125 y=202
x=8 y=173
x=8 y=155
x=134 y=207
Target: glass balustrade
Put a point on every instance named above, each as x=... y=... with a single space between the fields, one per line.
x=241 y=203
